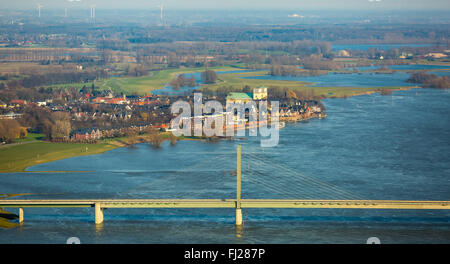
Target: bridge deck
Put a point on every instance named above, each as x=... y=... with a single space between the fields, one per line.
x=230 y=203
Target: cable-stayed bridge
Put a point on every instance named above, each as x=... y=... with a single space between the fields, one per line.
x=291 y=188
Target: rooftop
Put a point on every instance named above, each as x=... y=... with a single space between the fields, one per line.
x=240 y=96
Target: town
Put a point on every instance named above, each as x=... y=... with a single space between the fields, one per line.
x=224 y=122
x=87 y=117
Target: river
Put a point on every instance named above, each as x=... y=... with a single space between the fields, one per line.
x=365 y=78
x=365 y=47
x=370 y=146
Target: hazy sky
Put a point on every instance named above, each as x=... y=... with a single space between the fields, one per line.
x=237 y=4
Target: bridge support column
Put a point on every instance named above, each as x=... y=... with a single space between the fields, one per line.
x=98 y=214
x=20 y=215
x=239 y=221
x=238 y=187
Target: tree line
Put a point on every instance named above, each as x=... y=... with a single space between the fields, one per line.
x=11 y=130
x=46 y=79
x=181 y=81
x=430 y=80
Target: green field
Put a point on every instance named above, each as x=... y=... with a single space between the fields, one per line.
x=17 y=158
x=142 y=85
x=30 y=137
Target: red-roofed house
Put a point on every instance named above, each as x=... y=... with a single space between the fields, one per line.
x=18 y=102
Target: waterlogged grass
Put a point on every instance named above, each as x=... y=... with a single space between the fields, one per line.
x=19 y=157
x=239 y=80
x=16 y=158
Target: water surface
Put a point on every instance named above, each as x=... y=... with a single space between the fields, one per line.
x=347 y=80
x=365 y=47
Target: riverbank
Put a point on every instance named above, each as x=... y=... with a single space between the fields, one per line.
x=18 y=157
x=385 y=91
x=302 y=117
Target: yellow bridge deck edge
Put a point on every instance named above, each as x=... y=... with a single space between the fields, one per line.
x=231 y=203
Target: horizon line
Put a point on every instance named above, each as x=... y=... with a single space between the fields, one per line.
x=235 y=9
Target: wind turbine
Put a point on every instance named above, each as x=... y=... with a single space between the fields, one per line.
x=93 y=11
x=39 y=6
x=161 y=6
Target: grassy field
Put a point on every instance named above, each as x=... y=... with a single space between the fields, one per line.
x=30 y=137
x=142 y=85
x=19 y=157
